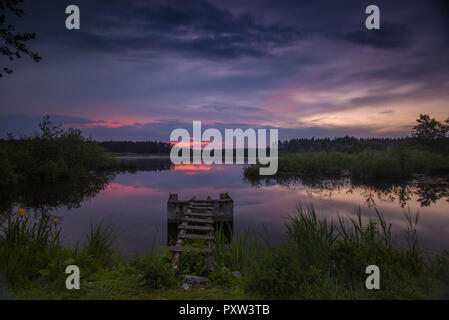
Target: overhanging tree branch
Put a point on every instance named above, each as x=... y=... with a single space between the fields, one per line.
x=13 y=44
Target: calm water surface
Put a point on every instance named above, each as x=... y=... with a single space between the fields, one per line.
x=136 y=204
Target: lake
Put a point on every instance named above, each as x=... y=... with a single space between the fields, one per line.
x=135 y=203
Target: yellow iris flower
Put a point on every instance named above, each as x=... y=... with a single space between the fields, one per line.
x=21 y=212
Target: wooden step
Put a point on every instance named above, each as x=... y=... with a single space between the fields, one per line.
x=183 y=249
x=202 y=203
x=197 y=236
x=198 y=228
x=199 y=214
x=200 y=208
x=196 y=220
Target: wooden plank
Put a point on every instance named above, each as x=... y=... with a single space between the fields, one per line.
x=209 y=263
x=201 y=208
x=200 y=214
x=199 y=228
x=206 y=204
x=209 y=260
x=197 y=236
x=196 y=220
x=182 y=249
x=203 y=203
x=177 y=256
x=179 y=240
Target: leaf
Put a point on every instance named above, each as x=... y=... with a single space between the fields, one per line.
x=44 y=272
x=69 y=261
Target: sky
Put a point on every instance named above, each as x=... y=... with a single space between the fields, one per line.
x=136 y=70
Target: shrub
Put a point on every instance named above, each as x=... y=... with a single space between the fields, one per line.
x=55 y=154
x=192 y=262
x=157 y=272
x=392 y=164
x=223 y=277
x=273 y=274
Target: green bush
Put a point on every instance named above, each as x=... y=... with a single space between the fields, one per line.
x=156 y=271
x=192 y=262
x=223 y=277
x=392 y=164
x=8 y=171
x=54 y=155
x=273 y=274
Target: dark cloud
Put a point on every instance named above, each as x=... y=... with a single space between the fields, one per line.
x=227 y=108
x=442 y=11
x=388 y=37
x=190 y=28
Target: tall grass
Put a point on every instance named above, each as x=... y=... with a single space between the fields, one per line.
x=31 y=248
x=26 y=246
x=233 y=251
x=411 y=234
x=327 y=259
x=98 y=243
x=311 y=237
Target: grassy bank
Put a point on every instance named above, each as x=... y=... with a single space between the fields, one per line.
x=320 y=260
x=396 y=163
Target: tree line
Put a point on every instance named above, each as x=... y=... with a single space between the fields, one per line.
x=427 y=133
x=139 y=147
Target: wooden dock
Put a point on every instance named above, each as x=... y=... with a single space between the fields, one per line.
x=197 y=222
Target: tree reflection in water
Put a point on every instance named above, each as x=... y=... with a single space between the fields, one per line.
x=427 y=190
x=43 y=198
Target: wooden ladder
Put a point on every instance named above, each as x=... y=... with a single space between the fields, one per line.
x=196 y=223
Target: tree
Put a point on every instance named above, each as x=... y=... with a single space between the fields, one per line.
x=429 y=128
x=13 y=46
x=49 y=131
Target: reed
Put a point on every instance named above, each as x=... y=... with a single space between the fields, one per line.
x=27 y=245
